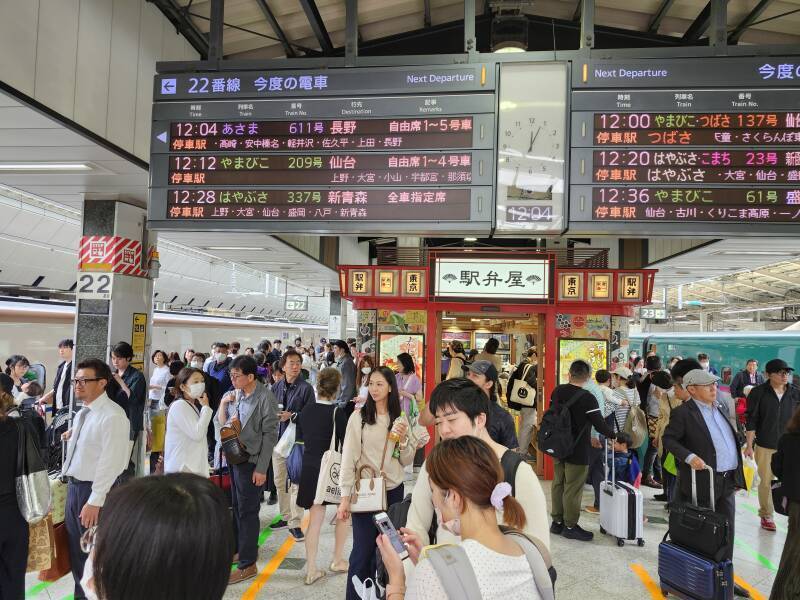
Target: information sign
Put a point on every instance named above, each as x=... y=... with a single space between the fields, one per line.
x=526 y=280
x=316 y=151
x=296 y=303
x=666 y=153
x=94 y=286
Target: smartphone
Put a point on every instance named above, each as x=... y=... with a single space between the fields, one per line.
x=386 y=527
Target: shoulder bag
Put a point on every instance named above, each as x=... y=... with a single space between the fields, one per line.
x=369 y=492
x=232 y=446
x=32 y=481
x=328 y=488
x=521 y=392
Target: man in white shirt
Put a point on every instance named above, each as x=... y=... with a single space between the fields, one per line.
x=461 y=408
x=97 y=453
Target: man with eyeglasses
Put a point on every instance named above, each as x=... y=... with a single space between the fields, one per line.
x=97 y=454
x=769 y=408
x=700 y=434
x=255 y=408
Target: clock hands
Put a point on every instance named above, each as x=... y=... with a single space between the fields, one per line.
x=533 y=138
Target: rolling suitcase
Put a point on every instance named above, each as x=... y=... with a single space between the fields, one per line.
x=693 y=577
x=688 y=573
x=621 y=507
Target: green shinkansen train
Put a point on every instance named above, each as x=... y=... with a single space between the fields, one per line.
x=728 y=351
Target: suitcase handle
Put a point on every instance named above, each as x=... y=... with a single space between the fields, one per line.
x=694 y=486
x=606 y=454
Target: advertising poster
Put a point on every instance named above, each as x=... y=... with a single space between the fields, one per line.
x=392 y=344
x=503 y=338
x=465 y=337
x=402 y=321
x=365 y=336
x=139 y=339
x=595 y=352
x=583 y=326
x=620 y=342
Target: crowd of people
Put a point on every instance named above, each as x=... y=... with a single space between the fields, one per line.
x=274 y=422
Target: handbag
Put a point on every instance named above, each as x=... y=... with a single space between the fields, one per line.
x=58 y=497
x=294 y=462
x=779 y=499
x=369 y=493
x=328 y=488
x=636 y=426
x=700 y=529
x=521 y=392
x=232 y=446
x=284 y=445
x=32 y=482
x=60 y=564
x=40 y=546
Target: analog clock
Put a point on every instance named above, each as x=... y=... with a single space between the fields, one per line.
x=531 y=148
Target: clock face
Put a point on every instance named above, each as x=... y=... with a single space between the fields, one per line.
x=531 y=147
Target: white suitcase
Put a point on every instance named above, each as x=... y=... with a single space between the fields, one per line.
x=621 y=508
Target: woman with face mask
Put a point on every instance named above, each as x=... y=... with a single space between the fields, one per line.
x=197 y=361
x=468 y=490
x=185 y=447
x=365 y=366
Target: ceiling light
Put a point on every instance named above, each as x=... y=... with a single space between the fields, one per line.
x=234 y=248
x=747 y=310
x=470 y=239
x=44 y=166
x=448 y=318
x=756 y=253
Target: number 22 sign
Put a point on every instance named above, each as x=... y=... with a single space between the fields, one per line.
x=94 y=286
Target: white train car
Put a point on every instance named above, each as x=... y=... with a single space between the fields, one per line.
x=33 y=328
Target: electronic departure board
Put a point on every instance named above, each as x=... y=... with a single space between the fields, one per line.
x=341 y=150
x=662 y=153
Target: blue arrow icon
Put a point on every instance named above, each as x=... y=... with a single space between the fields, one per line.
x=162 y=137
x=168 y=86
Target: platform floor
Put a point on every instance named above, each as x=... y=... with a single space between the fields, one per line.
x=599 y=569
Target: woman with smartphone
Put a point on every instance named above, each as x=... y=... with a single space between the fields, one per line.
x=186 y=446
x=367 y=443
x=468 y=489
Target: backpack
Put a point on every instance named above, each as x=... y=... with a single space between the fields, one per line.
x=510 y=462
x=636 y=426
x=555 y=436
x=455 y=572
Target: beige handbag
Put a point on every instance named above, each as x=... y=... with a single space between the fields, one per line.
x=369 y=493
x=41 y=546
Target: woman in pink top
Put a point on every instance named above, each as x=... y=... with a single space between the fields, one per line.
x=408 y=383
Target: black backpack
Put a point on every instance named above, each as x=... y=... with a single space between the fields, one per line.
x=555 y=436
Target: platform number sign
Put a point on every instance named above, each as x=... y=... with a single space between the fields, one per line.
x=94 y=286
x=296 y=303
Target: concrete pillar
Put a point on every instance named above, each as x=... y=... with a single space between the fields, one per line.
x=337 y=321
x=128 y=314
x=705 y=321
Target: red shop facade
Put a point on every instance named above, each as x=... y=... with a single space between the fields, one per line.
x=568 y=312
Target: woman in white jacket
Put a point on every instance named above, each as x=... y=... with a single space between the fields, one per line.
x=185 y=447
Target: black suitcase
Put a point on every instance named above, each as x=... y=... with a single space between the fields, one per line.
x=697 y=528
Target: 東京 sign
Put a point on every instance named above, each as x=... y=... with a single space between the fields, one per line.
x=492 y=278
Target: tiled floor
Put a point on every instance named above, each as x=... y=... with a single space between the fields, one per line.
x=585 y=570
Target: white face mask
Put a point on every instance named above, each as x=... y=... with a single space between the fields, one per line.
x=453 y=525
x=196 y=389
x=197 y=364
x=366 y=370
x=705 y=365
x=87 y=581
x=220 y=356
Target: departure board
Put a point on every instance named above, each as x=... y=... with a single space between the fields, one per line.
x=340 y=151
x=668 y=155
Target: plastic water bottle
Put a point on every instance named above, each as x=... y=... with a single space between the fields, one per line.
x=394 y=437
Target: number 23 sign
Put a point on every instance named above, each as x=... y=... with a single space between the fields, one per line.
x=94 y=286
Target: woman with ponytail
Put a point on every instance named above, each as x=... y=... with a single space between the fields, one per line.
x=468 y=489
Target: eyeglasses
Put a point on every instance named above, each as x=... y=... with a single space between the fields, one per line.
x=85 y=380
x=783 y=372
x=88 y=539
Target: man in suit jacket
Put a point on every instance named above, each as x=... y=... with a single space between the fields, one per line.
x=700 y=434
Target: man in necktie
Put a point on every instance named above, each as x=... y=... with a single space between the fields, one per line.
x=97 y=453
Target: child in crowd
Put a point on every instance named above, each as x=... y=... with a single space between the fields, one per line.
x=625 y=462
x=29 y=398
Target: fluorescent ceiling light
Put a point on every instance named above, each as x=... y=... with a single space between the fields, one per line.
x=44 y=166
x=269 y=262
x=747 y=310
x=449 y=318
x=470 y=239
x=234 y=248
x=757 y=253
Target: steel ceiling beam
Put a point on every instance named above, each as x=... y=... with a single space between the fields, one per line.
x=276 y=28
x=317 y=25
x=662 y=11
x=184 y=25
x=216 y=46
x=427 y=13
x=748 y=20
x=700 y=25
